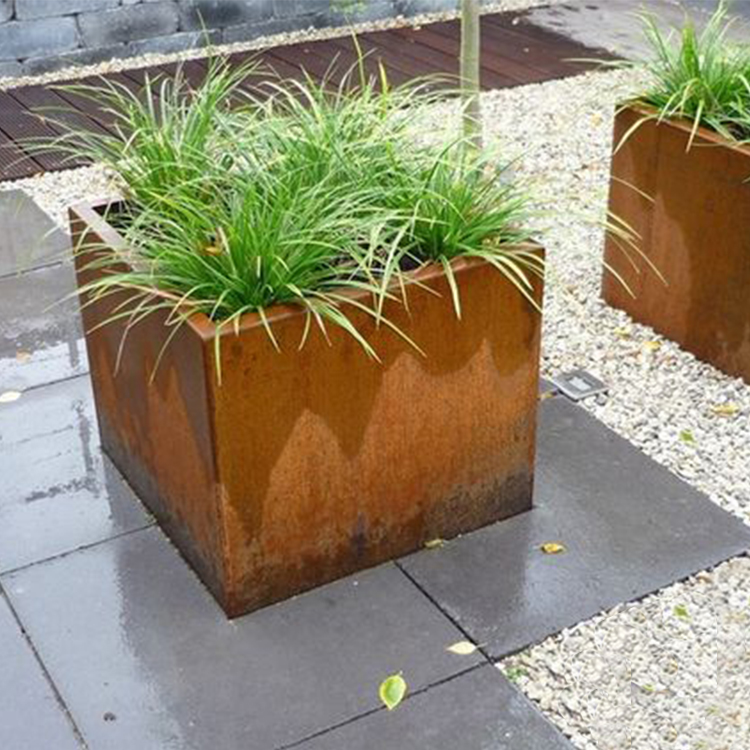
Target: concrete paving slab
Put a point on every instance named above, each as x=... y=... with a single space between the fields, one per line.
x=29 y=238
x=41 y=339
x=145 y=659
x=630 y=527
x=614 y=24
x=479 y=710
x=31 y=718
x=57 y=491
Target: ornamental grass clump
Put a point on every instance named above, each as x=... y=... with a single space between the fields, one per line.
x=237 y=199
x=703 y=77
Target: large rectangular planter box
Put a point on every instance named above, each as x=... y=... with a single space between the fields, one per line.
x=694 y=224
x=306 y=465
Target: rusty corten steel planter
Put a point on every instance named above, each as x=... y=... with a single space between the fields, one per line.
x=695 y=227
x=306 y=465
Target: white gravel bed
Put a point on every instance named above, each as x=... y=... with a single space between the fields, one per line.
x=671 y=672
x=275 y=40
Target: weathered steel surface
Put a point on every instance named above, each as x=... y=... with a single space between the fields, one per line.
x=694 y=224
x=305 y=465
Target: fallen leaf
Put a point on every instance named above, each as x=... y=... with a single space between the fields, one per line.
x=434 y=543
x=680 y=610
x=392 y=691
x=623 y=333
x=687 y=436
x=553 y=548
x=547 y=394
x=9 y=396
x=652 y=346
x=725 y=410
x=23 y=357
x=462 y=648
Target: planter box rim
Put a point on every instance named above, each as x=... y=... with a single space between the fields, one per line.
x=92 y=213
x=685 y=125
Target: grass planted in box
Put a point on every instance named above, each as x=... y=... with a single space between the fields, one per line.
x=702 y=77
x=236 y=202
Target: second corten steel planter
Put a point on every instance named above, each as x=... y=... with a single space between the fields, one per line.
x=309 y=464
x=691 y=210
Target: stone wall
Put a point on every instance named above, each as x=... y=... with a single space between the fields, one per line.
x=37 y=36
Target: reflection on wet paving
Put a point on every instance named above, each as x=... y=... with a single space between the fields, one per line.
x=126 y=629
x=615 y=25
x=41 y=338
x=22 y=677
x=28 y=236
x=58 y=490
x=630 y=525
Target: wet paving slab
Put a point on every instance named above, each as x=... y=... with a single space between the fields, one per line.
x=29 y=238
x=628 y=525
x=31 y=717
x=41 y=338
x=59 y=492
x=144 y=658
x=616 y=26
x=478 y=710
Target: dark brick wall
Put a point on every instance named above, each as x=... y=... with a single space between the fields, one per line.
x=37 y=36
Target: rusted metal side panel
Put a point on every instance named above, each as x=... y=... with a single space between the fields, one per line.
x=696 y=230
x=306 y=465
x=157 y=433
x=331 y=462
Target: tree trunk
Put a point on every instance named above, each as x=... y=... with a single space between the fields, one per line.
x=472 y=116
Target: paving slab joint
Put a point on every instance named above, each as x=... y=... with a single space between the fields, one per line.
x=410 y=694
x=12 y=571
x=43 y=667
x=480 y=647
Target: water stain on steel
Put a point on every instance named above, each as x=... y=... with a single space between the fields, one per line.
x=306 y=465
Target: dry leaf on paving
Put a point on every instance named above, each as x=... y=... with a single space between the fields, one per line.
x=462 y=648
x=9 y=396
x=434 y=543
x=652 y=346
x=552 y=548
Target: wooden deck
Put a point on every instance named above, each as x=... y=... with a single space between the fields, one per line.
x=514 y=53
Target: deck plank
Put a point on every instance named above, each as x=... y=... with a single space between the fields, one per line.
x=514 y=52
x=28 y=132
x=14 y=163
